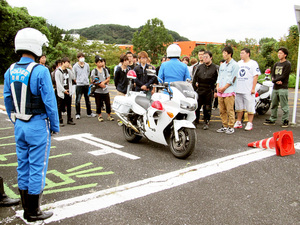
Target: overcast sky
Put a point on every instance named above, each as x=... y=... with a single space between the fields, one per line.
x=197 y=20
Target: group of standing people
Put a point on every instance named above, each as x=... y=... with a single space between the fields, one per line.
x=36 y=111
x=234 y=85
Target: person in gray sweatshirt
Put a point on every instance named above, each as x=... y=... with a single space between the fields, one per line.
x=81 y=70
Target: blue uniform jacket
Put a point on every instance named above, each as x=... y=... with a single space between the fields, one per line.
x=40 y=84
x=173 y=70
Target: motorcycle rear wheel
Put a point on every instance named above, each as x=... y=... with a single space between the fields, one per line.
x=263 y=108
x=130 y=135
x=186 y=144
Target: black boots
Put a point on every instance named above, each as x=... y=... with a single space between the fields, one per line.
x=4 y=200
x=31 y=205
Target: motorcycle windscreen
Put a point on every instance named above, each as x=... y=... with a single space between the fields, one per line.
x=185 y=88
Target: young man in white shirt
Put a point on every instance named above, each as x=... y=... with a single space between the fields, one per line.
x=245 y=89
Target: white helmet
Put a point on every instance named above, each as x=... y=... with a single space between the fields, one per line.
x=173 y=51
x=30 y=39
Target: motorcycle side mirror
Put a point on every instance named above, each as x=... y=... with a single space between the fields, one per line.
x=151 y=72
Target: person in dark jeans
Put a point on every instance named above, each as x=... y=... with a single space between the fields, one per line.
x=82 y=71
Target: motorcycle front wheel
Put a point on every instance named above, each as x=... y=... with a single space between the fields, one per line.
x=130 y=135
x=186 y=144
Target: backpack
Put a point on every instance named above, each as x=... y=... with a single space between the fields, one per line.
x=93 y=87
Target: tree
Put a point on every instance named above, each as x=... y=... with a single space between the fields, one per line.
x=56 y=34
x=12 y=20
x=267 y=48
x=291 y=42
x=153 y=38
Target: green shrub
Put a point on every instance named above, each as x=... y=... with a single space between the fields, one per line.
x=292 y=80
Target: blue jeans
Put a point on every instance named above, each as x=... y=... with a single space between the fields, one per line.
x=79 y=91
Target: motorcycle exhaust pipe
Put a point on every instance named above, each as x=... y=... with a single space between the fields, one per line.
x=127 y=123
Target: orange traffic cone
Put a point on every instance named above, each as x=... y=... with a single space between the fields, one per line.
x=282 y=141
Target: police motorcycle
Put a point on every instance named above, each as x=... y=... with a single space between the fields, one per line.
x=167 y=118
x=263 y=93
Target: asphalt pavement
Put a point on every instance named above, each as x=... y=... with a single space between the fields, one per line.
x=96 y=177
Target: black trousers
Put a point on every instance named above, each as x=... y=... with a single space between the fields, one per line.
x=205 y=99
x=61 y=103
x=99 y=99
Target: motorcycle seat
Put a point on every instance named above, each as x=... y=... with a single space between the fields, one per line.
x=143 y=101
x=263 y=89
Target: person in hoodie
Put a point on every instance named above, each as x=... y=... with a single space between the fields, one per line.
x=82 y=71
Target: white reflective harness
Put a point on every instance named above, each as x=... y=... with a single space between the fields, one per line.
x=20 y=75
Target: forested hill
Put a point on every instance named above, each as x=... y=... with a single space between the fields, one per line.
x=115 y=34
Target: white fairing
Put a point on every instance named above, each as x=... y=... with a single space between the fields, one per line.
x=155 y=121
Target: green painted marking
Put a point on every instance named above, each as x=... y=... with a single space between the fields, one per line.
x=9 y=192
x=85 y=171
x=66 y=179
x=79 y=167
x=70 y=188
x=2 y=145
x=9 y=164
x=6 y=128
x=3 y=158
x=61 y=155
x=7 y=137
x=96 y=174
x=53 y=147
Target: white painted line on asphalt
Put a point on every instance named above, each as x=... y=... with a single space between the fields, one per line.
x=100 y=143
x=109 y=197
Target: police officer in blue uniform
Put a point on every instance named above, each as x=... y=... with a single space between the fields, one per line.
x=31 y=105
x=173 y=70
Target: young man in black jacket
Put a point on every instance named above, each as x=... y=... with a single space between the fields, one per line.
x=204 y=82
x=280 y=77
x=120 y=78
x=143 y=81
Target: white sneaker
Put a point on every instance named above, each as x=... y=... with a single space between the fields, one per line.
x=92 y=115
x=249 y=126
x=229 y=130
x=77 y=116
x=222 y=130
x=238 y=124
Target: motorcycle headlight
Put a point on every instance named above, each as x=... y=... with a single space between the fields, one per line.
x=188 y=106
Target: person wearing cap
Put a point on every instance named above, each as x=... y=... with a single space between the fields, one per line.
x=173 y=70
x=100 y=77
x=31 y=105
